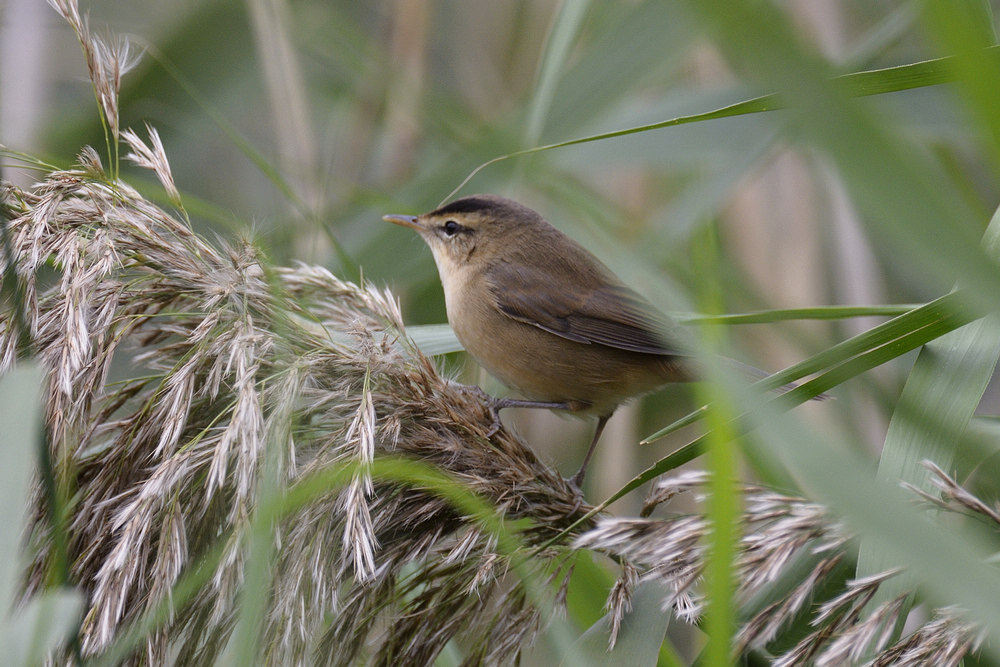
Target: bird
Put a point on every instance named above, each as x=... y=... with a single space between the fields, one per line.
x=543 y=315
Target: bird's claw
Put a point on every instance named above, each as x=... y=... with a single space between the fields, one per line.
x=494 y=409
x=493 y=404
x=574 y=486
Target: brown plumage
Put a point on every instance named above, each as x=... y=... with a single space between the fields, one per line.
x=541 y=313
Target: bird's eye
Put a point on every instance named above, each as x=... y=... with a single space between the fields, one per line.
x=451 y=228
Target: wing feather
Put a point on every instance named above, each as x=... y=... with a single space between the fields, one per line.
x=594 y=309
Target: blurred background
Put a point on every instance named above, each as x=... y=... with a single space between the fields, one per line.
x=299 y=123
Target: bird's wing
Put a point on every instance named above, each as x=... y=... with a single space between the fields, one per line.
x=589 y=310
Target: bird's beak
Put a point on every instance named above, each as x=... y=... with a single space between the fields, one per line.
x=403 y=220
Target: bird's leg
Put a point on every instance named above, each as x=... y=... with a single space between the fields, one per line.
x=497 y=404
x=577 y=479
x=501 y=403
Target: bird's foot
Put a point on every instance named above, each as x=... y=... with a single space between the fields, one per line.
x=574 y=485
x=494 y=405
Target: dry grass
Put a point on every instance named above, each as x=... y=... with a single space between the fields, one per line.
x=779 y=533
x=232 y=361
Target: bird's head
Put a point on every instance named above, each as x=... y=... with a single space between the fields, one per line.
x=475 y=228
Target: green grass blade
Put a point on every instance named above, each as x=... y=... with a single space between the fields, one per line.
x=45 y=623
x=20 y=414
x=42 y=626
x=965 y=28
x=434 y=339
x=858 y=84
x=949 y=562
x=642 y=632
x=811 y=313
x=903 y=195
x=557 y=47
x=437 y=339
x=935 y=407
x=856 y=355
x=722 y=461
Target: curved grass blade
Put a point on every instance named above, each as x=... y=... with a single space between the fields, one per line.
x=642 y=632
x=937 y=403
x=856 y=355
x=30 y=631
x=557 y=47
x=811 y=313
x=843 y=361
x=438 y=339
x=434 y=339
x=857 y=84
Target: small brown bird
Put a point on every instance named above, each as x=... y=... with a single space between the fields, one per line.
x=542 y=314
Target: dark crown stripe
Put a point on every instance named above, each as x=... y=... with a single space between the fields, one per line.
x=466 y=205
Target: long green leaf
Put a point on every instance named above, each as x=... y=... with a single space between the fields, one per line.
x=858 y=84
x=965 y=28
x=950 y=563
x=722 y=462
x=855 y=355
x=434 y=339
x=437 y=339
x=557 y=47
x=47 y=620
x=641 y=634
x=20 y=416
x=811 y=313
x=938 y=400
